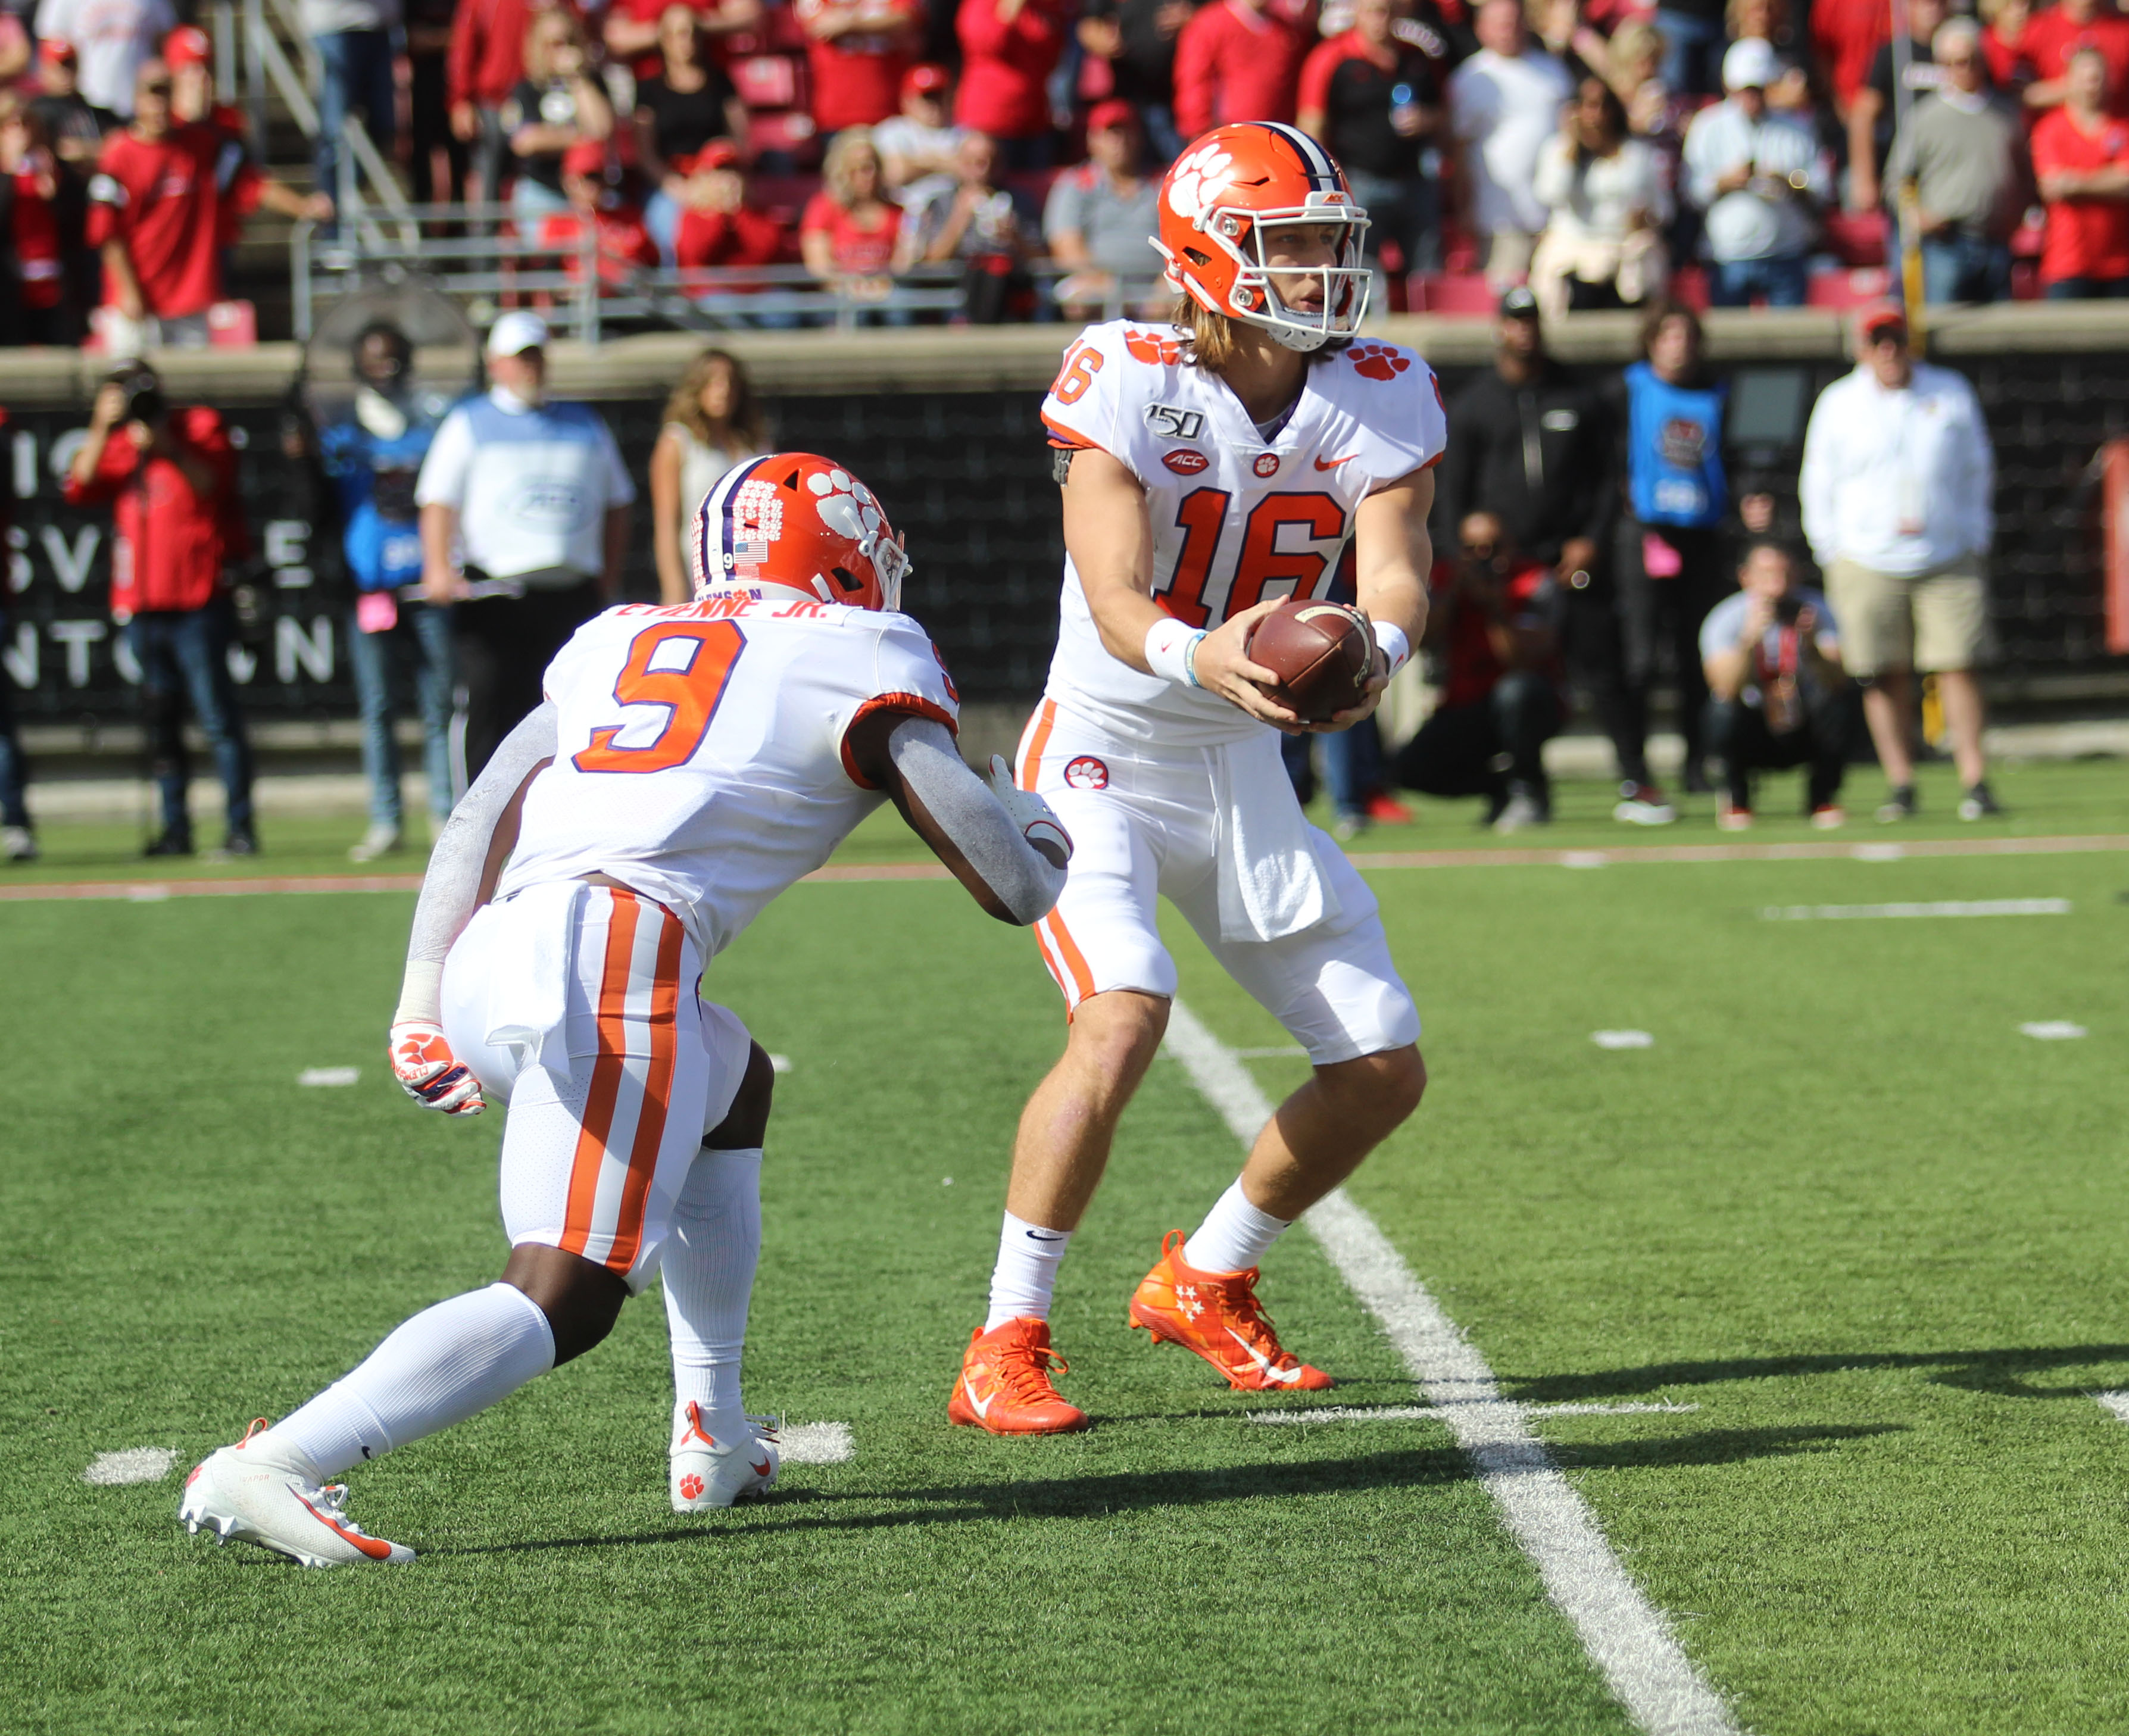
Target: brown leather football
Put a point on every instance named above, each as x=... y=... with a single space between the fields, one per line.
x=1322 y=653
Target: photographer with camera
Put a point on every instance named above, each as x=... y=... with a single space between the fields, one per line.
x=1779 y=696
x=170 y=476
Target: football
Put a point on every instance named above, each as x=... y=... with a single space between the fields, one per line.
x=1322 y=653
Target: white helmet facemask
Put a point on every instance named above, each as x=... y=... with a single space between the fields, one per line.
x=1251 y=238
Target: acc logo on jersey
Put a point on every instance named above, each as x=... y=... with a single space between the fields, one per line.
x=1186 y=461
x=1168 y=422
x=1087 y=772
x=1266 y=463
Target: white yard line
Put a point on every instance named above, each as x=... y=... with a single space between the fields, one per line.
x=815 y=1444
x=1626 y=1636
x=1941 y=907
x=1432 y=1413
x=131 y=1465
x=2116 y=1403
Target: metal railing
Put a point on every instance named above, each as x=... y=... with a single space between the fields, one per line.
x=469 y=252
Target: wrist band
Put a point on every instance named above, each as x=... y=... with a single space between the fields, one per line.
x=422 y=993
x=1396 y=648
x=1169 y=646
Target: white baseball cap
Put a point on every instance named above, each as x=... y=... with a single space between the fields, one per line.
x=1751 y=64
x=516 y=332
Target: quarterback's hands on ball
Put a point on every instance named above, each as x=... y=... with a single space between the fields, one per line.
x=1038 y=822
x=1222 y=667
x=430 y=1073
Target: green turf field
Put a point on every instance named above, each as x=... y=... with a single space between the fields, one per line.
x=1841 y=1205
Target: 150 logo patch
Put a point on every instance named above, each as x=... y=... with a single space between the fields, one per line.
x=1170 y=422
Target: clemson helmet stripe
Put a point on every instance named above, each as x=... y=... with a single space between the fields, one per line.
x=607 y=1071
x=725 y=492
x=1314 y=157
x=662 y=1024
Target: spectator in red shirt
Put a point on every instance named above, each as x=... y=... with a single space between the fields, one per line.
x=718 y=226
x=847 y=232
x=1240 y=60
x=2057 y=33
x=2081 y=159
x=1009 y=48
x=1495 y=619
x=483 y=66
x=597 y=205
x=1372 y=101
x=158 y=212
x=41 y=219
x=1846 y=36
x=857 y=51
x=170 y=476
x=2009 y=50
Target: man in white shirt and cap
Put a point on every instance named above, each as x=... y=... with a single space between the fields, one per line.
x=1761 y=178
x=525 y=510
x=1898 y=491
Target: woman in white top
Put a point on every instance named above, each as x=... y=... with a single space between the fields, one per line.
x=1603 y=244
x=713 y=421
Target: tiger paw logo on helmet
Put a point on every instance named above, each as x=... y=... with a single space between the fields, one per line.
x=1195 y=184
x=1377 y=361
x=848 y=506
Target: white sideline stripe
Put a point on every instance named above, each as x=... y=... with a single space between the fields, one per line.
x=131 y=1465
x=1432 y=1413
x=1626 y=1638
x=329 y=1076
x=2053 y=1030
x=815 y=1444
x=1281 y=1052
x=1622 y=1040
x=2115 y=1402
x=1941 y=908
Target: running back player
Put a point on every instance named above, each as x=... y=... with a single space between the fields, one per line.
x=689 y=764
x=1211 y=469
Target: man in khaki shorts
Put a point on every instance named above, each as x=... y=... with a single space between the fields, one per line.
x=1898 y=490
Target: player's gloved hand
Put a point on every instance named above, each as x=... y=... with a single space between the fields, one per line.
x=430 y=1073
x=1039 y=824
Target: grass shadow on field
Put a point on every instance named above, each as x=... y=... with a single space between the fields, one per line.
x=2003 y=1372
x=1103 y=1497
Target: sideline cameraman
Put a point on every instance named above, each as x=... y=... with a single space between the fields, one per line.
x=171 y=477
x=1772 y=656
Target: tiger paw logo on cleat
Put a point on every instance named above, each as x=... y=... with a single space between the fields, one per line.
x=691 y=1486
x=1377 y=361
x=1087 y=772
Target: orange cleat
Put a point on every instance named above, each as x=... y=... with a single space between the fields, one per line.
x=1215 y=1314
x=1005 y=1382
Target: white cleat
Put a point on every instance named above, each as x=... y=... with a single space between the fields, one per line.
x=708 y=1472
x=254 y=1499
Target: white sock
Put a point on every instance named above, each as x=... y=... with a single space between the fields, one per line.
x=1234 y=1236
x=707 y=1266
x=436 y=1369
x=1026 y=1275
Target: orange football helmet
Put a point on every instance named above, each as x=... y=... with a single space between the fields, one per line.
x=1222 y=205
x=798 y=520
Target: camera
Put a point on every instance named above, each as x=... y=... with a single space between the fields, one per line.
x=1788 y=607
x=144 y=395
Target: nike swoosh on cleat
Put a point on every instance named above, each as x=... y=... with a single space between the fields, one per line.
x=763 y=1469
x=1335 y=462
x=376 y=1548
x=981 y=1406
x=1263 y=1362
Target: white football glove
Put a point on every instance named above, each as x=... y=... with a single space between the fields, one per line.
x=430 y=1073
x=1038 y=823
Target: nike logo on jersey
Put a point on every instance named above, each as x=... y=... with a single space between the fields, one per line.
x=981 y=1406
x=1335 y=462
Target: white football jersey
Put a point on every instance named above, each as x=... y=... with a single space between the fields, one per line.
x=700 y=754
x=1237 y=518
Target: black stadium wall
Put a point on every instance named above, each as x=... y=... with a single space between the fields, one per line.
x=965 y=474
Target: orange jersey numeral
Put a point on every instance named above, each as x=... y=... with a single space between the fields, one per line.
x=1082 y=363
x=690 y=694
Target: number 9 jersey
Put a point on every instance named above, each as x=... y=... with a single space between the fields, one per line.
x=1239 y=516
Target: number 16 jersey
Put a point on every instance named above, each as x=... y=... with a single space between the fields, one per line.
x=1238 y=517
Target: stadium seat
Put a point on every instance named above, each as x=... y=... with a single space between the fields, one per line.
x=232 y=325
x=1857 y=238
x=1841 y=290
x=1688 y=284
x=1449 y=292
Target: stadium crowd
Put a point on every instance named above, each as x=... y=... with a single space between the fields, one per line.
x=1610 y=152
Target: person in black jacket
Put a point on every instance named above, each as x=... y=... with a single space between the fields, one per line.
x=1538 y=447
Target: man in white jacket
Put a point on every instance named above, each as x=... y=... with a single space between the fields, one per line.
x=1898 y=491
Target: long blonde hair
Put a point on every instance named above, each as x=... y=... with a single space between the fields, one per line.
x=1208 y=337
x=835 y=166
x=744 y=428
